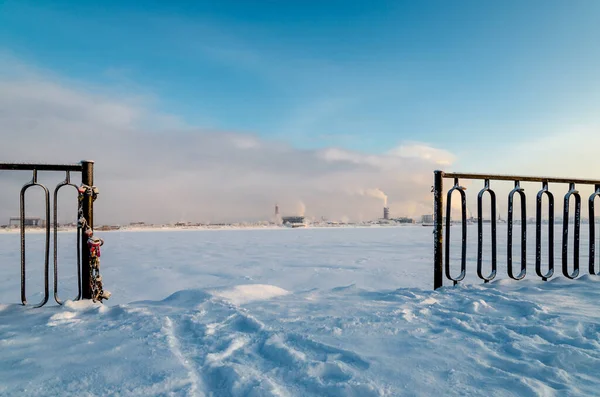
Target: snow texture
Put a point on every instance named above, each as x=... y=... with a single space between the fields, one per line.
x=305 y=312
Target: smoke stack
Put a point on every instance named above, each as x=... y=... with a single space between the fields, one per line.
x=386 y=213
x=276 y=210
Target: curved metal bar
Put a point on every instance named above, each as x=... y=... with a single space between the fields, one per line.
x=518 y=190
x=538 y=233
x=492 y=275
x=66 y=182
x=463 y=259
x=592 y=222
x=47 y=250
x=565 y=243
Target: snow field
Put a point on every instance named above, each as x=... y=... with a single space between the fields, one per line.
x=297 y=313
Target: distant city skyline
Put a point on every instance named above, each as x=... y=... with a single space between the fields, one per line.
x=214 y=111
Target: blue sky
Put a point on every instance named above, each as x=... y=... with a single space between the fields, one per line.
x=358 y=75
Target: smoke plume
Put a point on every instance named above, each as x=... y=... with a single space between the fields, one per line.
x=376 y=193
x=301 y=208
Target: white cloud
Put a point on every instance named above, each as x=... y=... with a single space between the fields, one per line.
x=572 y=152
x=425 y=152
x=172 y=173
x=394 y=158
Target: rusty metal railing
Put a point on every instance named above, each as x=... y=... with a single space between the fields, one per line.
x=442 y=265
x=83 y=261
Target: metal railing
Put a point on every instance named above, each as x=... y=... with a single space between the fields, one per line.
x=83 y=255
x=442 y=248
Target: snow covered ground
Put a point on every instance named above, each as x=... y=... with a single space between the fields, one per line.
x=303 y=312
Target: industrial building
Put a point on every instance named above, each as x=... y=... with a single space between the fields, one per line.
x=294 y=221
x=427 y=219
x=29 y=222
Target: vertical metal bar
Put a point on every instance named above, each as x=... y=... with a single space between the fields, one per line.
x=463 y=207
x=592 y=222
x=577 y=226
x=463 y=211
x=480 y=227
x=47 y=245
x=47 y=251
x=87 y=178
x=509 y=231
x=565 y=233
x=66 y=182
x=480 y=274
x=447 y=242
x=577 y=231
x=438 y=235
x=523 y=232
x=509 y=244
x=55 y=221
x=494 y=236
x=538 y=233
x=550 y=234
x=22 y=229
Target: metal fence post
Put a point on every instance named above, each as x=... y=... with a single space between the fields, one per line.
x=87 y=178
x=438 y=236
